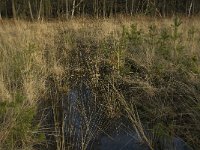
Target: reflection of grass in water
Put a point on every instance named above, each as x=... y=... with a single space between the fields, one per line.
x=148 y=75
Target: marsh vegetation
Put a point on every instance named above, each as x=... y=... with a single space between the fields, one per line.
x=137 y=73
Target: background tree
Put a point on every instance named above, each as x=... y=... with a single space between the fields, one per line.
x=40 y=9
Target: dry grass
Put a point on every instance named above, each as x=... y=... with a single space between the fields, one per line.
x=156 y=88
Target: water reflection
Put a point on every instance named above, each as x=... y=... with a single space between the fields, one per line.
x=86 y=127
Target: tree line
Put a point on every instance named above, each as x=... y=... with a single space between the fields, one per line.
x=45 y=9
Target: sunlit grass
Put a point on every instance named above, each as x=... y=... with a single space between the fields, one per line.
x=146 y=68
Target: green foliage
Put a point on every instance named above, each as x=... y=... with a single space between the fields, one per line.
x=20 y=120
x=164 y=47
x=161 y=131
x=191 y=33
x=189 y=64
x=176 y=38
x=175 y=28
x=132 y=36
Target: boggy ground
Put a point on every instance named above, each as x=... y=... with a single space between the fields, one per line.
x=142 y=72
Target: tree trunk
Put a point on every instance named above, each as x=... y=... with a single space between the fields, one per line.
x=164 y=9
x=67 y=8
x=115 y=11
x=13 y=9
x=40 y=10
x=126 y=7
x=0 y=14
x=97 y=9
x=132 y=7
x=190 y=8
x=104 y=9
x=73 y=9
x=30 y=10
x=83 y=10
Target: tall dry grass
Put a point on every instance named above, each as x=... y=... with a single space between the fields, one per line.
x=144 y=67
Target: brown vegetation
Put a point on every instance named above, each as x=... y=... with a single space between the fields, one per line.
x=143 y=69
